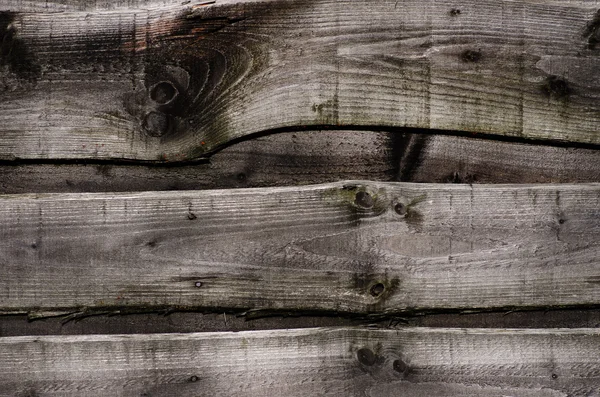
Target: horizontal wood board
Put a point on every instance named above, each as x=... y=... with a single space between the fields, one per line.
x=348 y=361
x=160 y=81
x=309 y=157
x=355 y=247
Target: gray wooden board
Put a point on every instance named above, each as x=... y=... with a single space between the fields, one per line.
x=309 y=157
x=306 y=362
x=357 y=247
x=166 y=81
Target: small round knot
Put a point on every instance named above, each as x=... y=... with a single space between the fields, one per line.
x=364 y=200
x=198 y=284
x=366 y=356
x=156 y=124
x=400 y=209
x=194 y=378
x=163 y=92
x=400 y=366
x=377 y=289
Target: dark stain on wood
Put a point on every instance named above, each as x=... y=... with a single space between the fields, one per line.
x=471 y=56
x=556 y=87
x=408 y=150
x=592 y=31
x=14 y=52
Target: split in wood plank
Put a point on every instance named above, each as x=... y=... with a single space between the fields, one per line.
x=354 y=247
x=327 y=361
x=174 y=82
x=289 y=159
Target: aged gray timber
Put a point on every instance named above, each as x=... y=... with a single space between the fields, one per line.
x=319 y=157
x=355 y=247
x=415 y=362
x=172 y=82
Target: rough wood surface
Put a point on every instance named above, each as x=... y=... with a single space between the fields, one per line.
x=338 y=362
x=170 y=81
x=356 y=247
x=319 y=157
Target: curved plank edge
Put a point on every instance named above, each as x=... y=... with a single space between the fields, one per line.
x=176 y=82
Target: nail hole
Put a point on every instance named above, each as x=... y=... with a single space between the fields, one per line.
x=377 y=289
x=400 y=209
x=194 y=378
x=400 y=366
x=198 y=284
x=554 y=376
x=366 y=356
x=163 y=92
x=561 y=221
x=364 y=200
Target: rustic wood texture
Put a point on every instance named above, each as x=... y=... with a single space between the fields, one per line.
x=354 y=247
x=319 y=157
x=163 y=81
x=339 y=362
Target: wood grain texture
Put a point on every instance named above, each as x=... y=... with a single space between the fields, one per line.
x=170 y=82
x=328 y=361
x=311 y=157
x=353 y=247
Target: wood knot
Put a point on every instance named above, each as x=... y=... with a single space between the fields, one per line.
x=400 y=366
x=454 y=12
x=163 y=93
x=364 y=200
x=377 y=290
x=156 y=123
x=366 y=357
x=400 y=209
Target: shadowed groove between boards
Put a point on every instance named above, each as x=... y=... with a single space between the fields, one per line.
x=373 y=128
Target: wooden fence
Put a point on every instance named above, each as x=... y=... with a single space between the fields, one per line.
x=385 y=197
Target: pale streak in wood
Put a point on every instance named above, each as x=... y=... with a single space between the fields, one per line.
x=321 y=361
x=303 y=248
x=319 y=157
x=291 y=63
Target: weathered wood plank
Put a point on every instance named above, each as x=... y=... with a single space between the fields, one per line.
x=312 y=157
x=175 y=82
x=334 y=361
x=356 y=247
